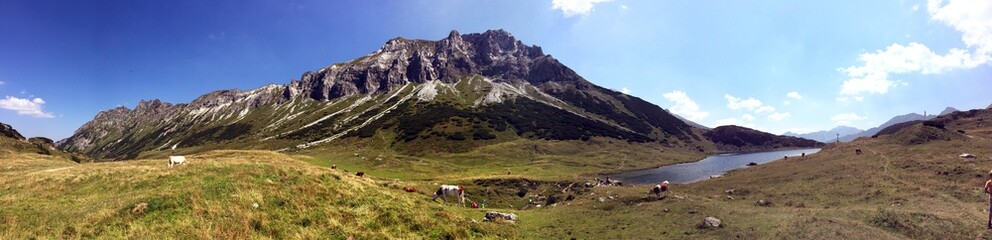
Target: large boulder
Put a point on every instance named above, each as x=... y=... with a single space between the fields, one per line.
x=498 y=216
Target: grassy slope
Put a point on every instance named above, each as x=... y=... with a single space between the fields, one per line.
x=212 y=197
x=893 y=191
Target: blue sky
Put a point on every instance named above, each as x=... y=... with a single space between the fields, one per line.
x=776 y=66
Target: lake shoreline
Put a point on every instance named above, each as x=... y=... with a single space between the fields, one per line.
x=612 y=172
x=703 y=169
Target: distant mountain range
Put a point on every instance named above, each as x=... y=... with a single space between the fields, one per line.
x=848 y=134
x=419 y=96
x=826 y=136
x=947 y=110
x=895 y=120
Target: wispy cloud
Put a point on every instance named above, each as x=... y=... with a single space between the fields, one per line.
x=23 y=106
x=685 y=106
x=575 y=7
x=625 y=90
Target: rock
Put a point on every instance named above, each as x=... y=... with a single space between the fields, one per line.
x=764 y=203
x=752 y=164
x=710 y=222
x=498 y=216
x=8 y=131
x=409 y=189
x=601 y=199
x=730 y=191
x=730 y=197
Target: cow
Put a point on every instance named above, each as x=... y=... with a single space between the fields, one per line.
x=658 y=189
x=450 y=190
x=857 y=151
x=176 y=160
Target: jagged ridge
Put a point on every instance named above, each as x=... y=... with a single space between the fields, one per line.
x=504 y=88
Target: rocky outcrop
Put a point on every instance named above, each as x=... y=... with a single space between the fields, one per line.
x=495 y=54
x=8 y=131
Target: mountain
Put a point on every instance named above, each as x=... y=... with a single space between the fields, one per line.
x=454 y=94
x=826 y=136
x=947 y=110
x=895 y=120
x=691 y=123
x=741 y=139
x=955 y=125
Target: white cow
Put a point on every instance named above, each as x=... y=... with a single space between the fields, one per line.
x=450 y=190
x=176 y=160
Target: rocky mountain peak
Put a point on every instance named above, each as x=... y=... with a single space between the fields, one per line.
x=153 y=105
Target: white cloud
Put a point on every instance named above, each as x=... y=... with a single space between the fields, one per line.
x=764 y=109
x=23 y=106
x=625 y=90
x=794 y=95
x=623 y=6
x=787 y=102
x=846 y=118
x=684 y=106
x=873 y=75
x=575 y=7
x=2 y=83
x=916 y=7
x=973 y=18
x=735 y=103
x=778 y=116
